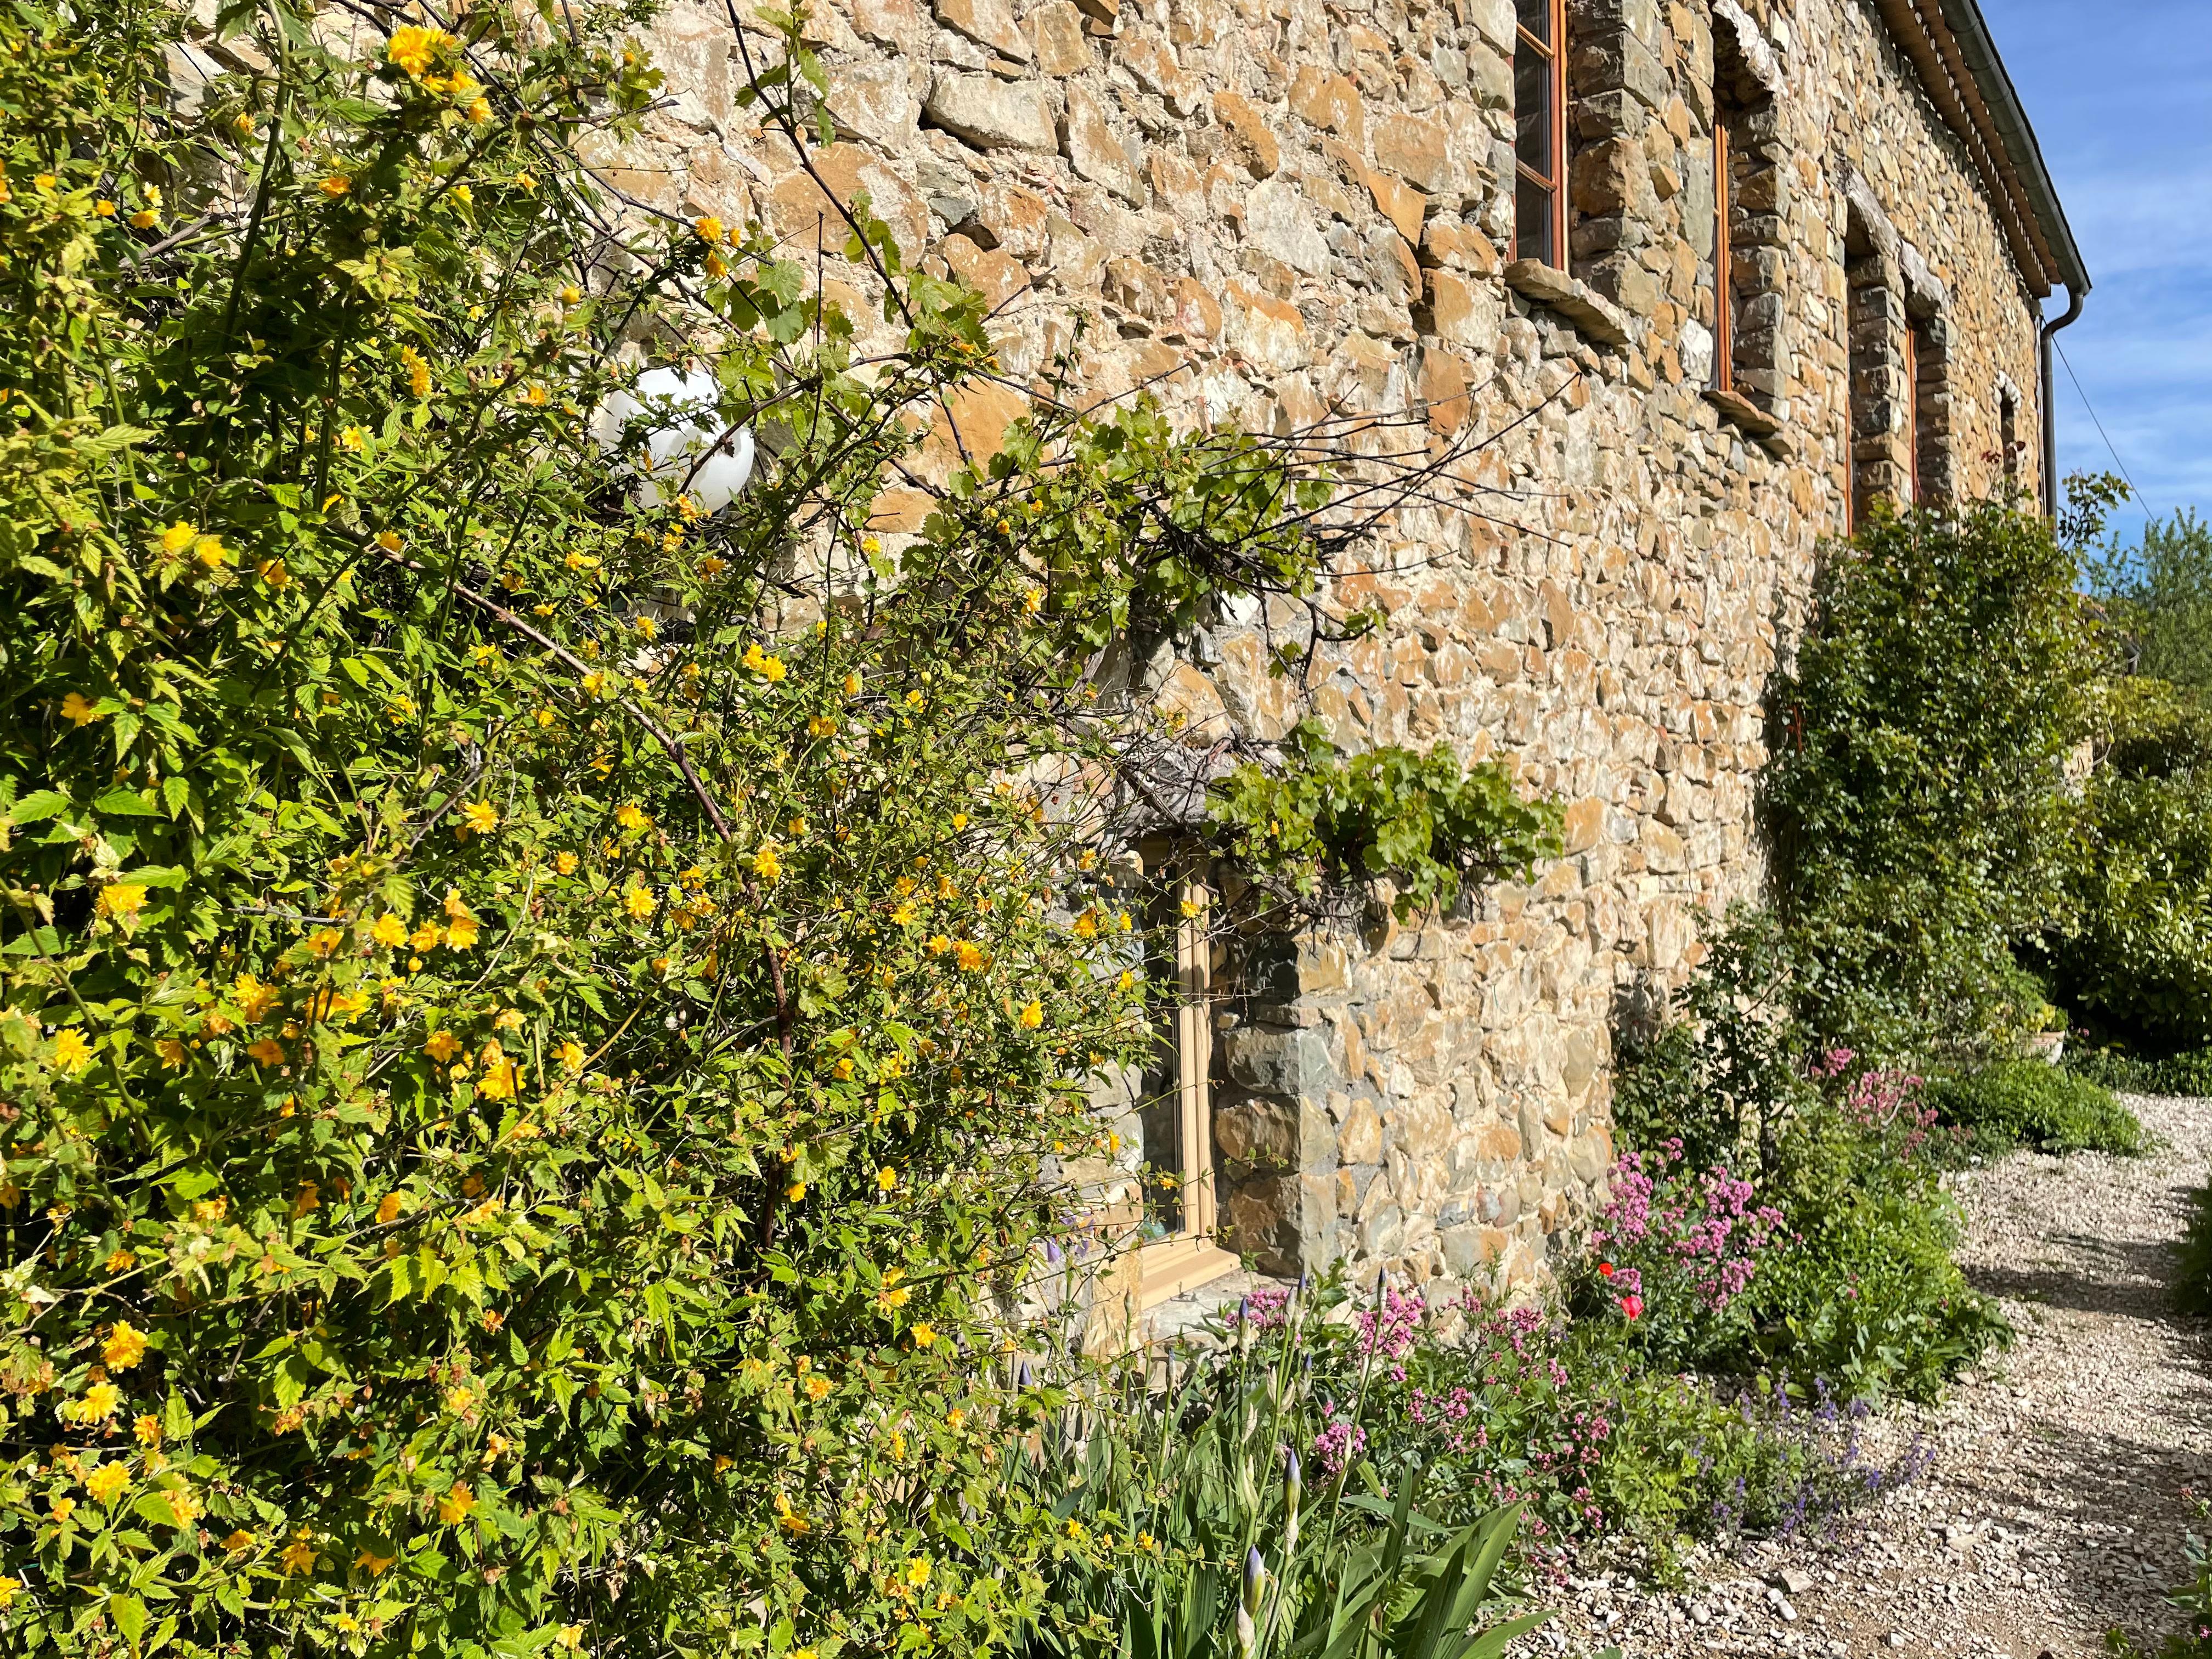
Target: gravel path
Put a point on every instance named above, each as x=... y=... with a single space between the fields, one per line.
x=2054 y=1511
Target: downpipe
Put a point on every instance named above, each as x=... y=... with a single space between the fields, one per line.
x=2050 y=403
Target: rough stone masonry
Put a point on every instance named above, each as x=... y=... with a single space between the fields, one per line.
x=1272 y=212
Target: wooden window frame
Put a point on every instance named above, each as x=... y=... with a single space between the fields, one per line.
x=1913 y=409
x=1555 y=187
x=1189 y=1258
x=1724 y=260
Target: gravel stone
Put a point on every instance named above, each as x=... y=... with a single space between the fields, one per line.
x=2055 y=1510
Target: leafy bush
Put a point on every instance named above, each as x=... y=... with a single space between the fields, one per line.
x=2026 y=1103
x=1726 y=1064
x=2187 y=1074
x=2139 y=962
x=2192 y=1277
x=1424 y=819
x=1865 y=1292
x=1918 y=795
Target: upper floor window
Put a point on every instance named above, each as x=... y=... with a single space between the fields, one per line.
x=1539 y=115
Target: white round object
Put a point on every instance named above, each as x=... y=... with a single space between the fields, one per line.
x=686 y=438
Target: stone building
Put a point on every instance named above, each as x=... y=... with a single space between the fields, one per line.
x=1706 y=277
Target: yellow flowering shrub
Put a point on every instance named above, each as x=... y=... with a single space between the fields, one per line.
x=524 y=1118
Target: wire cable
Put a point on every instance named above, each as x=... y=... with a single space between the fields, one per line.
x=2101 y=433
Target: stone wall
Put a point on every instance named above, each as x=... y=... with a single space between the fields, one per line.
x=1276 y=211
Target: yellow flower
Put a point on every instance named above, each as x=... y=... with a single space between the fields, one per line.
x=903 y=916
x=241 y=1539
x=442 y=1046
x=353 y=440
x=595 y=683
x=78 y=711
x=924 y=1335
x=298 y=1556
x=639 y=901
x=145 y=219
x=266 y=1052
x=72 y=1053
x=106 y=1482
x=959 y=820
x=500 y=1076
x=124 y=1348
x=389 y=930
x=818 y=1387
x=121 y=898
x=564 y=864
x=98 y=1405
x=711 y=566
x=570 y=1053
x=938 y=945
x=61 y=1509
x=461 y=933
x=1075 y=1529
x=389 y=1206
x=104 y=208
x=893 y=1294
x=253 y=998
x=372 y=1564
x=917 y=1571
x=709 y=227
x=336 y=186
x=210 y=551
x=766 y=864
x=483 y=817
x=629 y=817
x=413 y=48
x=459 y=1398
x=457 y=1503
x=147 y=1428
x=1086 y=925
x=428 y=937
x=10 y=1587
x=43 y=181
x=1032 y=1015
x=571 y=1637
x=886 y=1179
x=790 y=1519
x=122 y=1261
x=969 y=955
x=418 y=371
x=1145 y=1542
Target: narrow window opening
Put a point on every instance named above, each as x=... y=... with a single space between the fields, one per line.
x=2008 y=432
x=1910 y=402
x=1540 y=116
x=1723 y=255
x=1179 y=1217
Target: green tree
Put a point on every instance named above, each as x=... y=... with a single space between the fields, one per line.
x=2160 y=595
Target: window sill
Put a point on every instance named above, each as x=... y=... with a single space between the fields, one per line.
x=1751 y=421
x=1552 y=289
x=1178 y=1265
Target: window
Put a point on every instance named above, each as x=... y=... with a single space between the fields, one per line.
x=1910 y=406
x=2008 y=431
x=1723 y=261
x=1539 y=115
x=1178 y=1222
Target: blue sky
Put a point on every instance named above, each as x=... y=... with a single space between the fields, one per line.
x=2120 y=95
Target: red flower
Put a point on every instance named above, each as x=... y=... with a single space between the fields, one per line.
x=1633 y=1306
x=1605 y=1268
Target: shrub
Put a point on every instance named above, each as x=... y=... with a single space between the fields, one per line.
x=2026 y=1103
x=1916 y=795
x=2139 y=964
x=2187 y=1074
x=1726 y=1066
x=1865 y=1292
